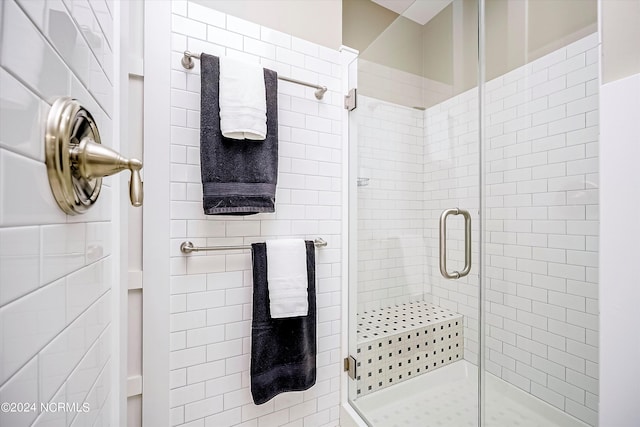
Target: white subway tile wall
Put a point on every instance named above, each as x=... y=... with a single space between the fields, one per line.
x=390 y=204
x=55 y=270
x=404 y=184
x=541 y=169
x=211 y=292
x=451 y=162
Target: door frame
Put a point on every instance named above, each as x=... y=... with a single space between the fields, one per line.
x=156 y=215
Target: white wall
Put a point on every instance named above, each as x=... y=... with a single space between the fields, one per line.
x=620 y=251
x=211 y=292
x=620 y=134
x=55 y=270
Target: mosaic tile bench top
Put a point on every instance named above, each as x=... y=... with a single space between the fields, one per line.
x=400 y=342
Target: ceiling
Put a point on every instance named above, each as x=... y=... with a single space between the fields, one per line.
x=420 y=11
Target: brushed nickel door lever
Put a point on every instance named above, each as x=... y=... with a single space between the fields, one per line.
x=77 y=161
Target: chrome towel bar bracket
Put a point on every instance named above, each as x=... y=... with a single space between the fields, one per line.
x=188 y=247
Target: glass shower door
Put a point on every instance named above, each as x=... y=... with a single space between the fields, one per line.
x=518 y=150
x=414 y=154
x=540 y=212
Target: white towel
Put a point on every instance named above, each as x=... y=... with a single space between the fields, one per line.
x=243 y=104
x=287 y=278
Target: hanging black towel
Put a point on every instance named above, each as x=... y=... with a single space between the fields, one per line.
x=238 y=177
x=283 y=351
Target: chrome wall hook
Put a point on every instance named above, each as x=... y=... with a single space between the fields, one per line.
x=76 y=159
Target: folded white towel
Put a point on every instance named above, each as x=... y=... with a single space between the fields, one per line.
x=287 y=278
x=243 y=104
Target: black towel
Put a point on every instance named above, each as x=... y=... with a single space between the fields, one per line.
x=238 y=177
x=283 y=351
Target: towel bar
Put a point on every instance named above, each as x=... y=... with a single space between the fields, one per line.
x=187 y=62
x=188 y=247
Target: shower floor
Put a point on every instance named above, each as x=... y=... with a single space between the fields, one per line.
x=447 y=397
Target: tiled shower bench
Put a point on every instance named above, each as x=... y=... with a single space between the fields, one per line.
x=400 y=342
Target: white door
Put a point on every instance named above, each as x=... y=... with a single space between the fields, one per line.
x=59 y=287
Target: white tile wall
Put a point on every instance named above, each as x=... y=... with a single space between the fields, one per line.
x=55 y=270
x=542 y=222
x=451 y=180
x=211 y=292
x=390 y=204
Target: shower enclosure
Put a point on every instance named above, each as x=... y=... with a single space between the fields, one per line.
x=473 y=182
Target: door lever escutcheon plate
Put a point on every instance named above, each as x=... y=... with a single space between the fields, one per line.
x=76 y=160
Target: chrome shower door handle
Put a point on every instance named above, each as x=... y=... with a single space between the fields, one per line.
x=443 y=243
